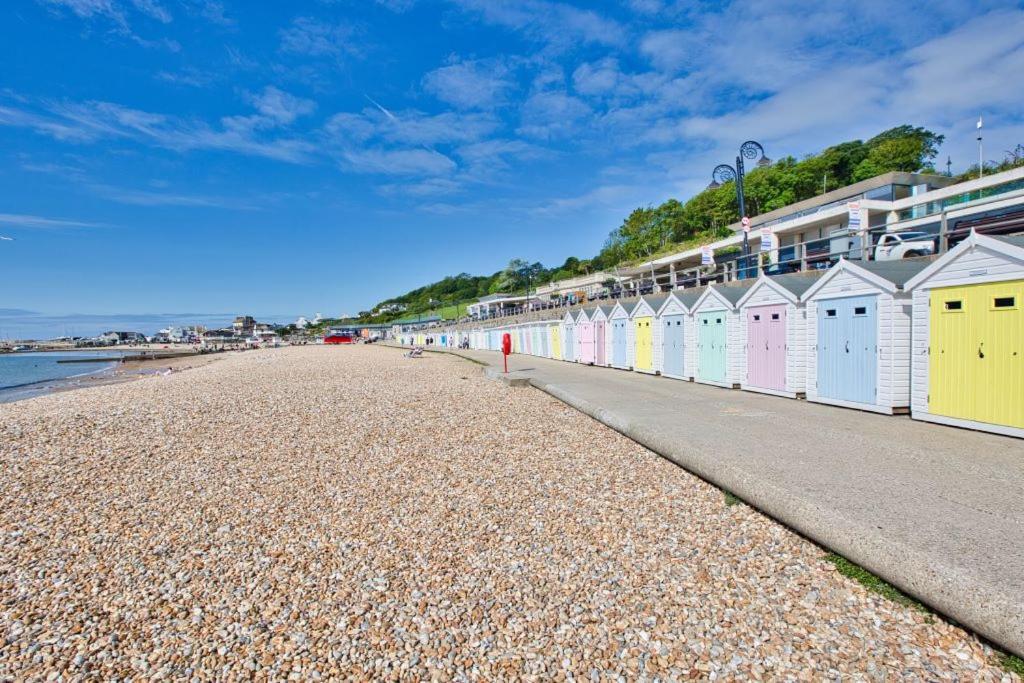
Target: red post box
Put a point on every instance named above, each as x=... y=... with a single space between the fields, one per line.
x=506 y=348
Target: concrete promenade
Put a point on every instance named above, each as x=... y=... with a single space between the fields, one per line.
x=936 y=511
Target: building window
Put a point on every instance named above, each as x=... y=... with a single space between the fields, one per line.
x=860 y=310
x=756 y=318
x=775 y=316
x=830 y=313
x=954 y=305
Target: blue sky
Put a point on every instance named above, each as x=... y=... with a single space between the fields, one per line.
x=193 y=159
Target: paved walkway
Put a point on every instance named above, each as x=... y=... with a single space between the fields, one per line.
x=936 y=511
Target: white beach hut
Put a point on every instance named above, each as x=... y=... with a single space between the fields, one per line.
x=602 y=338
x=858 y=335
x=569 y=336
x=773 y=335
x=646 y=334
x=673 y=319
x=716 y=323
x=968 y=337
x=619 y=336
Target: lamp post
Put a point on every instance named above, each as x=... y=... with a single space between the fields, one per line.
x=723 y=173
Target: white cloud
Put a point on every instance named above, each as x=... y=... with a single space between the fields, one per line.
x=314 y=38
x=470 y=84
x=85 y=122
x=153 y=9
x=551 y=114
x=279 y=106
x=398 y=162
x=41 y=222
x=558 y=25
x=409 y=127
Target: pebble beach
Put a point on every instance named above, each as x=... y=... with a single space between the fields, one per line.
x=317 y=513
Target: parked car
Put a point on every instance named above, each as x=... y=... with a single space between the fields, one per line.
x=893 y=246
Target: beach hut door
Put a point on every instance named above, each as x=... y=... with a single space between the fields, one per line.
x=848 y=349
x=766 y=347
x=672 y=348
x=711 y=336
x=976 y=364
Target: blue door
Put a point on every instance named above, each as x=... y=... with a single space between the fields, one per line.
x=569 y=344
x=619 y=343
x=672 y=345
x=848 y=348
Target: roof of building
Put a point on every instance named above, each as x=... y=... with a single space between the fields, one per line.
x=734 y=291
x=607 y=308
x=798 y=283
x=896 y=272
x=688 y=297
x=655 y=300
x=1013 y=240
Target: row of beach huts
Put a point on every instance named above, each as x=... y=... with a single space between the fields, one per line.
x=941 y=338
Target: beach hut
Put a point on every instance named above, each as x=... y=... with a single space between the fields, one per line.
x=602 y=340
x=585 y=350
x=619 y=327
x=673 y=317
x=646 y=334
x=554 y=333
x=717 y=328
x=773 y=335
x=858 y=335
x=568 y=336
x=968 y=337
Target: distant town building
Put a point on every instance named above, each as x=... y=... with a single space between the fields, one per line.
x=113 y=338
x=243 y=325
x=301 y=323
x=391 y=308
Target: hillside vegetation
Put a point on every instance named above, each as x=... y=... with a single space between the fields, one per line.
x=673 y=225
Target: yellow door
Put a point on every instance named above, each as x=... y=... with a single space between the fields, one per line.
x=556 y=342
x=644 y=345
x=976 y=354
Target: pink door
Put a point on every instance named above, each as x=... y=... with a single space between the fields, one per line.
x=586 y=342
x=766 y=347
x=599 y=331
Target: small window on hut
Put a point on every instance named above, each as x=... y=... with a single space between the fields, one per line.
x=955 y=305
x=830 y=313
x=756 y=318
x=1004 y=302
x=775 y=316
x=860 y=310
x=718 y=321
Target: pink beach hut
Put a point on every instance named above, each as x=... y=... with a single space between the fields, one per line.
x=585 y=352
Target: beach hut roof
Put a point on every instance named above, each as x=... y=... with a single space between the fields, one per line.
x=606 y=309
x=890 y=276
x=1012 y=240
x=734 y=291
x=583 y=315
x=653 y=301
x=896 y=272
x=791 y=286
x=689 y=297
x=1012 y=246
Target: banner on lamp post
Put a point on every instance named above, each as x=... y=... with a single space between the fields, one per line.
x=745 y=222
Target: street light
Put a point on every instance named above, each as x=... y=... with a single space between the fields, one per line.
x=723 y=173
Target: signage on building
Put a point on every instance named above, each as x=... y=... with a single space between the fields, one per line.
x=853 y=209
x=767 y=239
x=745 y=221
x=707 y=256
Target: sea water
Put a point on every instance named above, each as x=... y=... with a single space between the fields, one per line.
x=30 y=373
